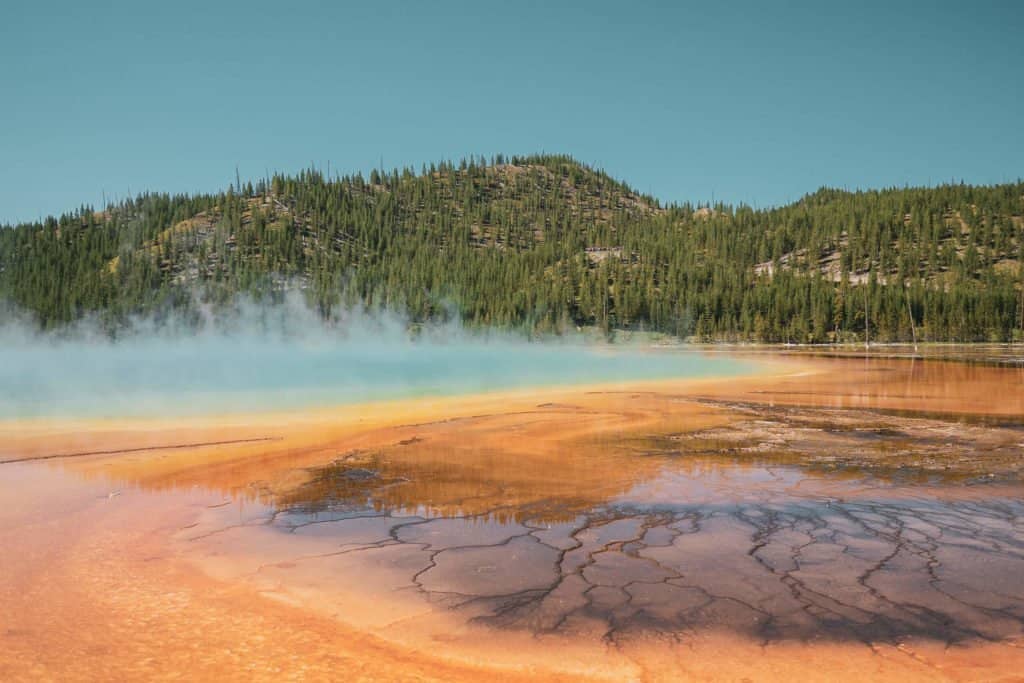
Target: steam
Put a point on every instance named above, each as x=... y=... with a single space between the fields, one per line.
x=284 y=356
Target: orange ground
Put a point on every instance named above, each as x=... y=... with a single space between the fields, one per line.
x=97 y=584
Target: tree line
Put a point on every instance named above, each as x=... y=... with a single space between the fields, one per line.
x=543 y=243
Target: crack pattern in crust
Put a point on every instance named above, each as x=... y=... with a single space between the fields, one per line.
x=769 y=551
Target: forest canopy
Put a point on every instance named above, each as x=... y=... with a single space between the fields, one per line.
x=546 y=244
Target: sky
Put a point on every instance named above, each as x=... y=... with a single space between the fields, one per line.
x=756 y=102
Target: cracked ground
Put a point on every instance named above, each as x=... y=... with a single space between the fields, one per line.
x=864 y=522
x=780 y=525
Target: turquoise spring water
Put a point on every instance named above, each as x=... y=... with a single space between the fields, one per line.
x=244 y=373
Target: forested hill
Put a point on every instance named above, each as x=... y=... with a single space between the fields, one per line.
x=546 y=243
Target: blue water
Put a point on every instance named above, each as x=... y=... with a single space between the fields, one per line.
x=224 y=374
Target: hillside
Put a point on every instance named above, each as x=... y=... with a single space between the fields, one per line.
x=547 y=243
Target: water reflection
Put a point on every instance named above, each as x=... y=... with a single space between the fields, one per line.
x=440 y=481
x=930 y=386
x=626 y=541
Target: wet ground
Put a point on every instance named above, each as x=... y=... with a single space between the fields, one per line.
x=772 y=551
x=864 y=521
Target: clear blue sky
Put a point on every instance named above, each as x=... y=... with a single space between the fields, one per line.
x=758 y=102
